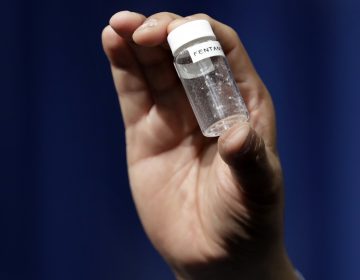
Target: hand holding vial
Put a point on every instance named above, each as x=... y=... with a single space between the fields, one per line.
x=212 y=207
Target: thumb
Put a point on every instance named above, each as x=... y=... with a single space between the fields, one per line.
x=244 y=151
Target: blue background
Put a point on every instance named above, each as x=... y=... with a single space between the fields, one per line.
x=65 y=206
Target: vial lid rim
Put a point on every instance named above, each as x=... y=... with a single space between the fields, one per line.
x=189 y=31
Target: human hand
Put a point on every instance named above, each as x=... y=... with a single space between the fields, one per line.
x=211 y=207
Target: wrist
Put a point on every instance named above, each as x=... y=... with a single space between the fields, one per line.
x=279 y=268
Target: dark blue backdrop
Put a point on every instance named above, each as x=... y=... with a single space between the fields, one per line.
x=66 y=210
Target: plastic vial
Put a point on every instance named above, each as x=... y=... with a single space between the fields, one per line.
x=206 y=76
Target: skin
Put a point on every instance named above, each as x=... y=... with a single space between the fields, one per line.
x=213 y=208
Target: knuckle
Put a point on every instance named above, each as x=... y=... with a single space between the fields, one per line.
x=231 y=31
x=165 y=16
x=259 y=146
x=201 y=16
x=260 y=89
x=254 y=143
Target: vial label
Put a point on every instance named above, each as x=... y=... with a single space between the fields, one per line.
x=205 y=50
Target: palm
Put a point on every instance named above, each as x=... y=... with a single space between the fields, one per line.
x=183 y=190
x=173 y=190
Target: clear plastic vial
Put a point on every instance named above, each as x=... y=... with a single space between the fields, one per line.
x=206 y=76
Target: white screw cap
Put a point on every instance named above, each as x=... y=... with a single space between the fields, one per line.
x=188 y=32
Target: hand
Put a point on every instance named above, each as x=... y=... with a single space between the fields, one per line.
x=211 y=207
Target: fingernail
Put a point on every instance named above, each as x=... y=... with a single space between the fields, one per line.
x=149 y=23
x=237 y=132
x=125 y=12
x=121 y=13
